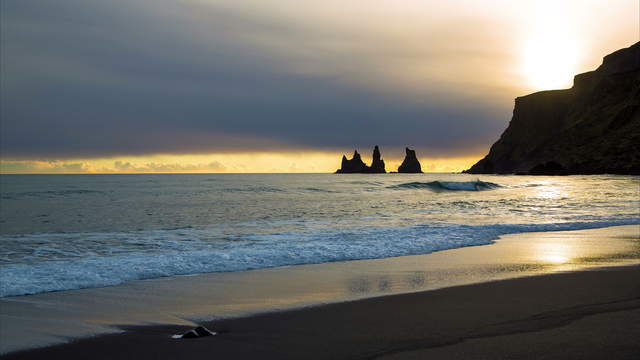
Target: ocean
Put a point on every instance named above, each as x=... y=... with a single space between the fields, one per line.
x=62 y=232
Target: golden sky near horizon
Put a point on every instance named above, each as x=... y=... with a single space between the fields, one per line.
x=303 y=162
x=462 y=54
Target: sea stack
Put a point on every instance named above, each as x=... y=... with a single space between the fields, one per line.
x=355 y=165
x=410 y=164
x=377 y=165
x=591 y=128
x=352 y=166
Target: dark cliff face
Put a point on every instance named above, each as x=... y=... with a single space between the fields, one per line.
x=410 y=164
x=356 y=166
x=591 y=128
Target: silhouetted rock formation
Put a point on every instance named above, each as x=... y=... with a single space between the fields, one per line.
x=377 y=165
x=357 y=166
x=591 y=128
x=410 y=164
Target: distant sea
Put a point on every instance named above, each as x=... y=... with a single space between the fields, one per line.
x=60 y=232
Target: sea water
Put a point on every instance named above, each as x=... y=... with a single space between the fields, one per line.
x=60 y=232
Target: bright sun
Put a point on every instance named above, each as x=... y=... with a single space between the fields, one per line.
x=550 y=56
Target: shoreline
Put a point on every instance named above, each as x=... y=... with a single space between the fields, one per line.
x=563 y=312
x=495 y=237
x=182 y=302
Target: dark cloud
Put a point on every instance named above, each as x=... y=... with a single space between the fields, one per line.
x=90 y=79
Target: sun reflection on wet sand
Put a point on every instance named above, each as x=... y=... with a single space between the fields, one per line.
x=554 y=253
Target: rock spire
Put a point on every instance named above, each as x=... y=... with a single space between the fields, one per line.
x=410 y=164
x=355 y=165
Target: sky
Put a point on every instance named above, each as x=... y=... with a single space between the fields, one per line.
x=280 y=85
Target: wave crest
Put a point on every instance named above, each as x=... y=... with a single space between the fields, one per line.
x=191 y=251
x=449 y=185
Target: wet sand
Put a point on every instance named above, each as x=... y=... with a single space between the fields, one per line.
x=583 y=314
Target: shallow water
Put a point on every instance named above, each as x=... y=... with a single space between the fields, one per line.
x=55 y=317
x=61 y=232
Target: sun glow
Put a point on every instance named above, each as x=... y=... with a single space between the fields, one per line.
x=551 y=55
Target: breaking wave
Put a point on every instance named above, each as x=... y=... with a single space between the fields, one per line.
x=72 y=262
x=449 y=185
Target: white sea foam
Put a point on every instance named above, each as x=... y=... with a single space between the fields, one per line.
x=189 y=251
x=70 y=232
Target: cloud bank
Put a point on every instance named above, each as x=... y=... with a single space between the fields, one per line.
x=88 y=79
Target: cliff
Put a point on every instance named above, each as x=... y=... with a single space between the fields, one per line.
x=410 y=164
x=355 y=165
x=591 y=128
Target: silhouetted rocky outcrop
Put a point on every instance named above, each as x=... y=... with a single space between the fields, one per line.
x=355 y=165
x=591 y=128
x=410 y=164
x=377 y=165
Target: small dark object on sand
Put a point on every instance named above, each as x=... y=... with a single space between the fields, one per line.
x=198 y=332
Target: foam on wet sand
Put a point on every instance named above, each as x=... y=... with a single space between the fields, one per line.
x=395 y=325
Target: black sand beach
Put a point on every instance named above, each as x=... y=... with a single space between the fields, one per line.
x=589 y=314
x=581 y=315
